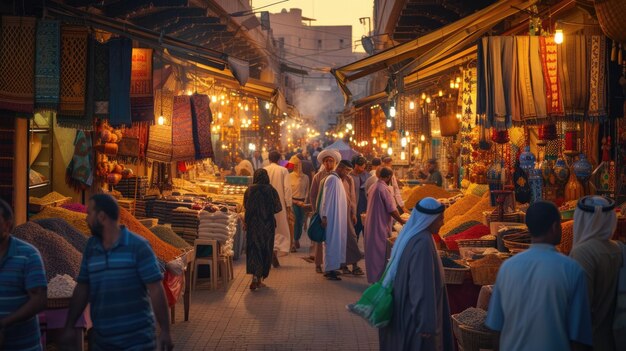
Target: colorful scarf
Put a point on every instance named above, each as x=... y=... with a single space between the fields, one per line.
x=574 y=76
x=73 y=77
x=120 y=55
x=536 y=77
x=548 y=52
x=202 y=119
x=101 y=79
x=597 y=76
x=183 y=148
x=47 y=67
x=525 y=97
x=79 y=173
x=496 y=115
x=141 y=99
x=160 y=137
x=17 y=64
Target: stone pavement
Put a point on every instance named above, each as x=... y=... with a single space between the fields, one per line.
x=299 y=310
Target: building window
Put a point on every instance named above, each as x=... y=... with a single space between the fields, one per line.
x=319 y=44
x=340 y=43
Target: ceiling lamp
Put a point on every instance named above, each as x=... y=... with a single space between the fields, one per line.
x=388 y=123
x=423 y=96
x=392 y=112
x=411 y=105
x=440 y=93
x=161 y=120
x=390 y=151
x=558 y=36
x=451 y=83
x=428 y=100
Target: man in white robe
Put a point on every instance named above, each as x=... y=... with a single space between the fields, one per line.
x=334 y=213
x=279 y=179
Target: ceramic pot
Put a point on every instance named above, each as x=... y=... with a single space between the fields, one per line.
x=527 y=160
x=583 y=168
x=561 y=171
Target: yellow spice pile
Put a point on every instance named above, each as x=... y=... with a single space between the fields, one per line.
x=75 y=219
x=474 y=214
x=461 y=206
x=420 y=192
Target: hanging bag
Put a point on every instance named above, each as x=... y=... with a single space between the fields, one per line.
x=316 y=232
x=376 y=304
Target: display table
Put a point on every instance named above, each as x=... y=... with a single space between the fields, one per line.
x=52 y=322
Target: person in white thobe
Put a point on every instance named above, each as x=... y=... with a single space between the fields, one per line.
x=334 y=213
x=279 y=179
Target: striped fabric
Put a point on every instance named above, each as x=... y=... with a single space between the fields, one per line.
x=21 y=270
x=120 y=305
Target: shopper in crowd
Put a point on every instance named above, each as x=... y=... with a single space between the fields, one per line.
x=434 y=176
x=256 y=160
x=421 y=315
x=315 y=156
x=359 y=177
x=23 y=288
x=601 y=258
x=261 y=202
x=120 y=279
x=353 y=254
x=226 y=166
x=376 y=162
x=279 y=179
x=381 y=208
x=393 y=186
x=299 y=194
x=539 y=300
x=334 y=213
x=328 y=159
x=243 y=167
x=371 y=181
x=307 y=165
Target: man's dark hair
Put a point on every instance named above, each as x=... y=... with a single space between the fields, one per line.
x=385 y=172
x=345 y=164
x=7 y=212
x=107 y=204
x=387 y=159
x=540 y=217
x=376 y=161
x=359 y=160
x=274 y=156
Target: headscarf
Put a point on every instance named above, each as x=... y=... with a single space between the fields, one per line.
x=422 y=216
x=594 y=218
x=328 y=153
x=261 y=177
x=297 y=163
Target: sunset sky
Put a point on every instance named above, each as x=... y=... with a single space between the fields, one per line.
x=328 y=12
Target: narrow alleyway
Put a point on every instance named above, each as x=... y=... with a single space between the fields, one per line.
x=299 y=310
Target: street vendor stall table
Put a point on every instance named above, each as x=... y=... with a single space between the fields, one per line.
x=187 y=258
x=52 y=320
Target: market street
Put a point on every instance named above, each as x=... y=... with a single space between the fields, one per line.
x=299 y=310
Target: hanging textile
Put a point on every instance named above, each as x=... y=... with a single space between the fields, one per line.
x=101 y=80
x=132 y=147
x=509 y=80
x=79 y=173
x=526 y=99
x=183 y=148
x=574 y=76
x=597 y=76
x=17 y=64
x=617 y=94
x=548 y=52
x=141 y=99
x=536 y=72
x=481 y=97
x=120 y=55
x=497 y=114
x=47 y=65
x=202 y=119
x=160 y=136
x=73 y=78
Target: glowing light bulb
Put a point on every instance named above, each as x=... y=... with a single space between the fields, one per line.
x=451 y=83
x=428 y=100
x=374 y=141
x=558 y=36
x=423 y=96
x=161 y=120
x=403 y=142
x=392 y=111
x=458 y=79
x=246 y=108
x=412 y=105
x=389 y=151
x=416 y=150
x=267 y=105
x=402 y=155
x=388 y=123
x=189 y=92
x=422 y=137
x=231 y=121
x=219 y=115
x=458 y=116
x=349 y=126
x=440 y=93
x=213 y=98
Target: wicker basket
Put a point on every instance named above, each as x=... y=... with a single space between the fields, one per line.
x=516 y=242
x=484 y=275
x=476 y=340
x=476 y=243
x=514 y=217
x=454 y=275
x=36 y=208
x=58 y=303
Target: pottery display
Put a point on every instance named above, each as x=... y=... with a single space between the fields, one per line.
x=527 y=160
x=583 y=168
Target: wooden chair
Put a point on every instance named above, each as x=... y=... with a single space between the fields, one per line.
x=211 y=261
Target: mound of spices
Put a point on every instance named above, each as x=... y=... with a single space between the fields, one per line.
x=461 y=228
x=76 y=207
x=420 y=192
x=474 y=232
x=166 y=234
x=162 y=249
x=474 y=318
x=59 y=257
x=75 y=219
x=461 y=206
x=65 y=230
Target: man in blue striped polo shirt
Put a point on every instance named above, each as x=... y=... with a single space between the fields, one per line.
x=120 y=278
x=23 y=288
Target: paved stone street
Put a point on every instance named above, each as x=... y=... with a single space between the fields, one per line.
x=299 y=310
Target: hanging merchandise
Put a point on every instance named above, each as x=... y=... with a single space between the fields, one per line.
x=561 y=171
x=449 y=123
x=73 y=78
x=141 y=99
x=527 y=160
x=202 y=119
x=120 y=57
x=536 y=184
x=582 y=168
x=494 y=177
x=160 y=136
x=597 y=76
x=573 y=189
x=47 y=69
x=500 y=136
x=548 y=54
x=606 y=162
x=520 y=181
x=571 y=139
x=79 y=173
x=574 y=75
x=547 y=172
x=183 y=148
x=100 y=74
x=17 y=64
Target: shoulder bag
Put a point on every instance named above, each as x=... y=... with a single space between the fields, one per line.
x=316 y=232
x=376 y=304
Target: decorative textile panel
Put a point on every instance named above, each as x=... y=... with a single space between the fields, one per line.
x=183 y=148
x=597 y=76
x=101 y=80
x=549 y=62
x=160 y=137
x=120 y=55
x=17 y=64
x=73 y=77
x=47 y=65
x=202 y=119
x=141 y=99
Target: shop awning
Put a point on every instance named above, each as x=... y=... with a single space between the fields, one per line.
x=431 y=47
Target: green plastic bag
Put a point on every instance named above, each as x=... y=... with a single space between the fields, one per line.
x=375 y=305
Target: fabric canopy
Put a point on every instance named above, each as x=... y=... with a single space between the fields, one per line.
x=347 y=153
x=431 y=47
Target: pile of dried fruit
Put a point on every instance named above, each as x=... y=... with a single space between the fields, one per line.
x=61 y=286
x=162 y=250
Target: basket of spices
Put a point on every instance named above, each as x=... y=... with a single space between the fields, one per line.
x=454 y=272
x=485 y=270
x=470 y=330
x=53 y=199
x=517 y=242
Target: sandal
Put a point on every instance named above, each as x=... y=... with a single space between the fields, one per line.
x=332 y=276
x=357 y=271
x=318 y=269
x=254 y=286
x=261 y=285
x=345 y=270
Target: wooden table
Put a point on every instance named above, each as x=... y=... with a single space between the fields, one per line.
x=188 y=257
